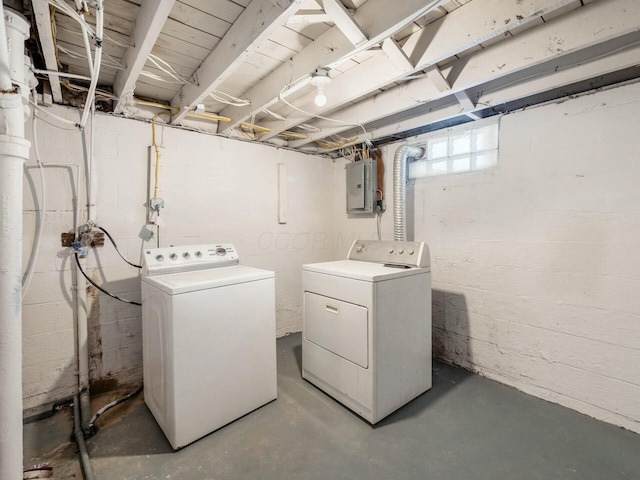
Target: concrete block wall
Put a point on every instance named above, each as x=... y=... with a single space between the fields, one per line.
x=215 y=189
x=536 y=265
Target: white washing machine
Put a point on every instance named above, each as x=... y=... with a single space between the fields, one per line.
x=208 y=338
x=367 y=326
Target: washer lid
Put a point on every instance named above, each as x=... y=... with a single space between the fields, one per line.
x=367 y=271
x=184 y=282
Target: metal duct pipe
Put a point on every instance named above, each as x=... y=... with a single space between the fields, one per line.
x=14 y=150
x=400 y=160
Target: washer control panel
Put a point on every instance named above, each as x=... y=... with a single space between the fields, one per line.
x=158 y=261
x=397 y=253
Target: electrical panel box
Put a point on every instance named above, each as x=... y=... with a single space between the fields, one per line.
x=362 y=182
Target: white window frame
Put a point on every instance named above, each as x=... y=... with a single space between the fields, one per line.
x=464 y=148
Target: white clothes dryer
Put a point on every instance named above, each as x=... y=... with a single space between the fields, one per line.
x=208 y=337
x=367 y=326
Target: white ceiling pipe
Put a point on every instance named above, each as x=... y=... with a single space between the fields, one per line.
x=402 y=156
x=14 y=150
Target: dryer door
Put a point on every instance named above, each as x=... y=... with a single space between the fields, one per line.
x=337 y=326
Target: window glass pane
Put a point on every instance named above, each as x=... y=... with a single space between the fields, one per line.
x=418 y=169
x=485 y=138
x=437 y=147
x=458 y=149
x=437 y=168
x=485 y=160
x=461 y=164
x=460 y=143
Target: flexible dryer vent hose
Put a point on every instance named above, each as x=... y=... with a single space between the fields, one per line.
x=400 y=160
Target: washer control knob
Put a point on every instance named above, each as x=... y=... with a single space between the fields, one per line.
x=186 y=255
x=391 y=250
x=198 y=254
x=410 y=252
x=221 y=251
x=173 y=256
x=401 y=251
x=359 y=248
x=160 y=258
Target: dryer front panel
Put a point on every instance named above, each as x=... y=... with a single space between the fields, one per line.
x=337 y=326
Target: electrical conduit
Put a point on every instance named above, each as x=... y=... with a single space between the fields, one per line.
x=14 y=150
x=400 y=160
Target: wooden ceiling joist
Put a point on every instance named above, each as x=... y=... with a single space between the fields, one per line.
x=149 y=22
x=378 y=19
x=453 y=34
x=253 y=26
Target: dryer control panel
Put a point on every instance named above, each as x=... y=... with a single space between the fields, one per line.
x=186 y=258
x=391 y=252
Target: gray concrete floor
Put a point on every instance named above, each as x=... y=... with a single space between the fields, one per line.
x=465 y=427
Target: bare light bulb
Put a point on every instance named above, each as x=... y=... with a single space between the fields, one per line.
x=321 y=98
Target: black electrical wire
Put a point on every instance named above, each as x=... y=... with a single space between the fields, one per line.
x=100 y=288
x=116 y=247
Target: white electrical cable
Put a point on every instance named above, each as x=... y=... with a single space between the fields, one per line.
x=168 y=69
x=35 y=249
x=281 y=97
x=378 y=221
x=154 y=76
x=60 y=74
x=309 y=128
x=228 y=99
x=112 y=62
x=52 y=115
x=273 y=114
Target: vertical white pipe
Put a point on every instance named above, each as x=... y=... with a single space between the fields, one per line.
x=83 y=349
x=14 y=150
x=13 y=153
x=96 y=61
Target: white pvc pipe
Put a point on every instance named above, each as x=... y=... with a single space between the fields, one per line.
x=6 y=85
x=13 y=153
x=96 y=62
x=83 y=334
x=14 y=150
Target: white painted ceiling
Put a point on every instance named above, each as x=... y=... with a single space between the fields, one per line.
x=396 y=66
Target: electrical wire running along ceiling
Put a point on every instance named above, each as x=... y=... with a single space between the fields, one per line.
x=252 y=68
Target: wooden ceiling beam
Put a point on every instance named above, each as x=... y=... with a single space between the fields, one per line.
x=453 y=34
x=529 y=68
x=254 y=25
x=344 y=21
x=378 y=20
x=149 y=22
x=45 y=34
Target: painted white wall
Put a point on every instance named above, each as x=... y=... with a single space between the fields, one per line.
x=215 y=189
x=536 y=265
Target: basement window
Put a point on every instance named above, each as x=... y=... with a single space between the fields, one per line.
x=464 y=148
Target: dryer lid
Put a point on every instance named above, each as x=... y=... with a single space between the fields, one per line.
x=366 y=271
x=185 y=282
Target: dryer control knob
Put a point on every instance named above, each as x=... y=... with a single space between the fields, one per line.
x=160 y=258
x=186 y=255
x=173 y=256
x=391 y=250
x=401 y=251
x=410 y=252
x=198 y=254
x=221 y=251
x=359 y=248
